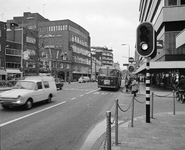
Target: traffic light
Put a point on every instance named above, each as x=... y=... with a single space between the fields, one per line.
x=145 y=39
x=131 y=68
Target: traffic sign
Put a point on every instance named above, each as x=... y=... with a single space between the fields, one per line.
x=26 y=55
x=130 y=59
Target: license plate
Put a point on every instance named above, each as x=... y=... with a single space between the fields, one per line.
x=107 y=82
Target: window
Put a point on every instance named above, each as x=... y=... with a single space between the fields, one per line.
x=172 y=2
x=39 y=85
x=0 y=33
x=182 y=2
x=46 y=84
x=61 y=65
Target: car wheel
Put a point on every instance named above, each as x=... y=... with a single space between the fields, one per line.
x=49 y=99
x=28 y=104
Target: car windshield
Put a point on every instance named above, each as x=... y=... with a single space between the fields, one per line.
x=24 y=85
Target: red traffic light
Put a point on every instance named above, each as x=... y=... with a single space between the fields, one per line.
x=145 y=39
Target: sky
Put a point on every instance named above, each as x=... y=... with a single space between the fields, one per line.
x=110 y=23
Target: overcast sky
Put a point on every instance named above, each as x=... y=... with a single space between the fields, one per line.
x=109 y=22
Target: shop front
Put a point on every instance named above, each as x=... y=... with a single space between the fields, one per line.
x=164 y=73
x=3 y=74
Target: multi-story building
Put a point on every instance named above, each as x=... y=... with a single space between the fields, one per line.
x=18 y=42
x=67 y=43
x=104 y=54
x=168 y=19
x=2 y=50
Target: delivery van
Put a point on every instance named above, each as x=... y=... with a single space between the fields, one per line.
x=30 y=90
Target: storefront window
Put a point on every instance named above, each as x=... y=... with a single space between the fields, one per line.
x=172 y=2
x=182 y=2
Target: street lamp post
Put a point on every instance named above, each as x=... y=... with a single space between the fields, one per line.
x=128 y=49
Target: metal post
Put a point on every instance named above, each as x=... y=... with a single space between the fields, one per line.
x=152 y=108
x=108 y=116
x=173 y=102
x=116 y=122
x=22 y=50
x=132 y=118
x=148 y=91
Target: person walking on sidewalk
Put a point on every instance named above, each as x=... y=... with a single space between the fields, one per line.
x=181 y=83
x=134 y=86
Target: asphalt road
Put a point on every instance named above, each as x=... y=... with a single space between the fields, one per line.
x=61 y=125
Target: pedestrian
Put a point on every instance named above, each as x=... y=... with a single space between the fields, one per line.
x=134 y=86
x=181 y=84
x=164 y=82
x=126 y=84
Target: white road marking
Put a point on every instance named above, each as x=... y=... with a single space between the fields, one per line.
x=17 y=119
x=81 y=95
x=92 y=91
x=73 y=98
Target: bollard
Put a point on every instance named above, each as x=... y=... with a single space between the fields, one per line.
x=108 y=116
x=174 y=102
x=152 y=108
x=116 y=122
x=132 y=118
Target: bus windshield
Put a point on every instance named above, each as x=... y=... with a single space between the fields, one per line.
x=108 y=72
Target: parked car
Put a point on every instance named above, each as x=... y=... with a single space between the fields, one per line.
x=59 y=83
x=83 y=79
x=28 y=91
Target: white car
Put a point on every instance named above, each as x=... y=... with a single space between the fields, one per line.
x=28 y=91
x=83 y=79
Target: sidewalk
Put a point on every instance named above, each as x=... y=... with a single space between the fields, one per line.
x=165 y=132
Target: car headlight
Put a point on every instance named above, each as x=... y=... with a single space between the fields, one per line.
x=19 y=97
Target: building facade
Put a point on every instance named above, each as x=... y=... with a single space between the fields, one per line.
x=2 y=50
x=168 y=19
x=67 y=45
x=104 y=54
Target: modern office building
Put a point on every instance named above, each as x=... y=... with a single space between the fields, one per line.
x=168 y=19
x=66 y=43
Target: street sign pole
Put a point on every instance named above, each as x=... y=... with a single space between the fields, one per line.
x=148 y=91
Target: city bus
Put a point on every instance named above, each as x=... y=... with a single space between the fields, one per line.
x=109 y=77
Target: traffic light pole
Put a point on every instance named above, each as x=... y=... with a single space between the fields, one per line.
x=148 y=91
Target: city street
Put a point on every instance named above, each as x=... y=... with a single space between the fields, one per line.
x=65 y=123
x=62 y=124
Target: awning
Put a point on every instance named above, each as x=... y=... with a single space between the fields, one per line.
x=162 y=65
x=16 y=71
x=3 y=72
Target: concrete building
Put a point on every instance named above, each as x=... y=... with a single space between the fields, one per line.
x=168 y=19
